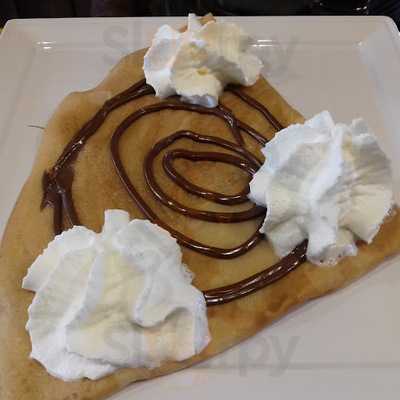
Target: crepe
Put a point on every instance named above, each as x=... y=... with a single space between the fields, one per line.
x=96 y=187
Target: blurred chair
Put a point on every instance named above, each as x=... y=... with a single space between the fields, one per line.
x=107 y=8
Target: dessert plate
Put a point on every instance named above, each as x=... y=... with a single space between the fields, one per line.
x=345 y=344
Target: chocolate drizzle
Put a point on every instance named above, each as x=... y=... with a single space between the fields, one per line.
x=57 y=182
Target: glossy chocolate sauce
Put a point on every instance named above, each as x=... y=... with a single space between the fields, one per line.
x=57 y=182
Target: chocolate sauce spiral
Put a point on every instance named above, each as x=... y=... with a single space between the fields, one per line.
x=57 y=182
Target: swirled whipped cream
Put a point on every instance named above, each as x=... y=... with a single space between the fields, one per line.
x=198 y=63
x=120 y=298
x=326 y=182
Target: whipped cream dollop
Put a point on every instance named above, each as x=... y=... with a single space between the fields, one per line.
x=120 y=298
x=197 y=64
x=326 y=182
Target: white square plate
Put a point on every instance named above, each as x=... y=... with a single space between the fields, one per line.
x=345 y=345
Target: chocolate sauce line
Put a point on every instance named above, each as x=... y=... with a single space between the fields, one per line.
x=57 y=183
x=160 y=195
x=188 y=242
x=220 y=198
x=257 y=281
x=258 y=106
x=72 y=149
